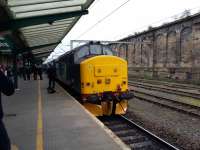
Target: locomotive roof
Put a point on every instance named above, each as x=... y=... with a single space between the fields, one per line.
x=77 y=48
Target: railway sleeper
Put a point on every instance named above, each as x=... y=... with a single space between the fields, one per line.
x=126 y=133
x=143 y=146
x=119 y=127
x=113 y=123
x=134 y=139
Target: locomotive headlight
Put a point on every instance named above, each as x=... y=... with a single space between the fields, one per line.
x=99 y=81
x=123 y=82
x=82 y=85
x=88 y=84
x=107 y=81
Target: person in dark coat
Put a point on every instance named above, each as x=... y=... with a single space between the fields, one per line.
x=28 y=72
x=35 y=71
x=51 y=72
x=40 y=71
x=23 y=72
x=7 y=88
x=9 y=73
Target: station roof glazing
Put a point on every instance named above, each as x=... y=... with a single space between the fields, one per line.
x=44 y=23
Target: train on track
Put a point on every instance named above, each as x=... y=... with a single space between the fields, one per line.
x=97 y=76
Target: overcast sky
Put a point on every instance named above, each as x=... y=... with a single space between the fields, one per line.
x=134 y=16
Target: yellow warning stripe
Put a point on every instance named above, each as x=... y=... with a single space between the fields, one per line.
x=39 y=136
x=14 y=147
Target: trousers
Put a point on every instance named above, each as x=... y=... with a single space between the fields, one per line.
x=4 y=139
x=51 y=83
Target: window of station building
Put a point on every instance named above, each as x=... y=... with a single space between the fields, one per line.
x=95 y=49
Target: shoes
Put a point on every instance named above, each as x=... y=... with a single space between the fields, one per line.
x=51 y=90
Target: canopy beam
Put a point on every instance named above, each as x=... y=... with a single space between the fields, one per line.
x=25 y=22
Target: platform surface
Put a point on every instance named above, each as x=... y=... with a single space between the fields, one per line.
x=36 y=120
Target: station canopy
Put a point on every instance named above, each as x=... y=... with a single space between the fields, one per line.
x=44 y=23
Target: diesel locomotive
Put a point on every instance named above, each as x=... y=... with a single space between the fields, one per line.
x=97 y=76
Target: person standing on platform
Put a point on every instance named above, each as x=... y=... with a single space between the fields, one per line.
x=2 y=69
x=40 y=71
x=7 y=88
x=23 y=72
x=28 y=72
x=35 y=71
x=51 y=72
x=10 y=73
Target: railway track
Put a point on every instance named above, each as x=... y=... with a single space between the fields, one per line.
x=175 y=91
x=168 y=84
x=134 y=135
x=189 y=109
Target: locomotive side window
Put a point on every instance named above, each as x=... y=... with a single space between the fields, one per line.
x=95 y=49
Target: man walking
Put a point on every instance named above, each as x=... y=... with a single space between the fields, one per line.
x=7 y=88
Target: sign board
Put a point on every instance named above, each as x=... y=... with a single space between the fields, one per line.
x=3 y=43
x=4 y=46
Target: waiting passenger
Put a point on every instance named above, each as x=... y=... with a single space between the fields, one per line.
x=23 y=72
x=28 y=72
x=51 y=72
x=35 y=71
x=10 y=73
x=40 y=71
x=6 y=87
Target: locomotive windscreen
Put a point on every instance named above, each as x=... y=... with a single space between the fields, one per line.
x=92 y=50
x=100 y=50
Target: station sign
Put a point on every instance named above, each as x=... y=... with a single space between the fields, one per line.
x=4 y=45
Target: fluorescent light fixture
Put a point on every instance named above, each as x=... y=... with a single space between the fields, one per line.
x=46 y=6
x=13 y=3
x=47 y=12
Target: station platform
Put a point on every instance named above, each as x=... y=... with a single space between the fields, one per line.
x=36 y=120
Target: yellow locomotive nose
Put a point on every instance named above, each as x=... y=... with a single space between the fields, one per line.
x=107 y=76
x=104 y=73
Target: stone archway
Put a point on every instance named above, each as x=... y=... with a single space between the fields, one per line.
x=172 y=49
x=160 y=50
x=186 y=46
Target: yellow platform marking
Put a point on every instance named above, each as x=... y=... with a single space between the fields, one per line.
x=14 y=147
x=39 y=136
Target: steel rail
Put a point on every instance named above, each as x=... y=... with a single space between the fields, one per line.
x=167 y=90
x=177 y=106
x=168 y=145
x=134 y=135
x=169 y=84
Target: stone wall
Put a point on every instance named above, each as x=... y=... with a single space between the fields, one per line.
x=168 y=51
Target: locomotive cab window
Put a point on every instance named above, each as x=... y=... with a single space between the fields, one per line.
x=95 y=49
x=84 y=51
x=107 y=51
